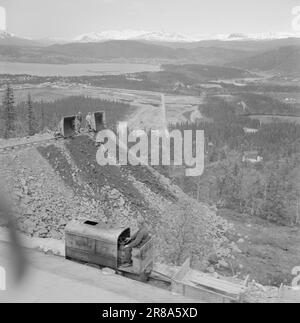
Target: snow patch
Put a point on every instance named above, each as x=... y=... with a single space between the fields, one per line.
x=176 y=37
x=133 y=35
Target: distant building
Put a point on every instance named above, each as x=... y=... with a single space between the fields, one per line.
x=250 y=130
x=252 y=157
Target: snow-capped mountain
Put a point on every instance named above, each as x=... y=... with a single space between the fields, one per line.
x=261 y=36
x=4 y=34
x=241 y=36
x=133 y=35
x=164 y=36
x=7 y=38
x=160 y=36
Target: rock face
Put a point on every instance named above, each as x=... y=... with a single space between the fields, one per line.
x=53 y=183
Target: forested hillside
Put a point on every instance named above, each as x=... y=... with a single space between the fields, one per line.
x=268 y=189
x=48 y=114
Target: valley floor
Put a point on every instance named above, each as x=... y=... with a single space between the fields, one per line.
x=147 y=104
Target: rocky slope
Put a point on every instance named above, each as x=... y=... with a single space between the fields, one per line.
x=54 y=182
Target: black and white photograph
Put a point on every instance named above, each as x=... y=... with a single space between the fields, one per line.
x=149 y=154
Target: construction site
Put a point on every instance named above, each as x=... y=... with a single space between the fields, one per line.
x=68 y=206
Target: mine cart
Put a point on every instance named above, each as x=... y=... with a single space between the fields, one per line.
x=67 y=126
x=103 y=245
x=98 y=121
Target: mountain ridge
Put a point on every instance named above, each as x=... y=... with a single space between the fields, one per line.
x=148 y=36
x=175 y=37
x=281 y=60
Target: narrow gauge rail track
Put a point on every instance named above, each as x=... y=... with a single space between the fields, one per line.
x=9 y=148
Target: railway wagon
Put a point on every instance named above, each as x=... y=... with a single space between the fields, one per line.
x=104 y=245
x=67 y=124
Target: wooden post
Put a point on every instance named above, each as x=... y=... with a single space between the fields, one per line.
x=297 y=217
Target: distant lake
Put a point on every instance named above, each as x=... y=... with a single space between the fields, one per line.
x=75 y=69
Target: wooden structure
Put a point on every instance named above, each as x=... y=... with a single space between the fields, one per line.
x=67 y=126
x=287 y=294
x=204 y=287
x=142 y=261
x=98 y=121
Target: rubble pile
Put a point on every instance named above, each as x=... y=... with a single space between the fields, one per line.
x=75 y=162
x=56 y=182
x=43 y=204
x=83 y=152
x=144 y=175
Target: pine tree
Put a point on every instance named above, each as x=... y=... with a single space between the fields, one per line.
x=30 y=117
x=8 y=112
x=42 y=126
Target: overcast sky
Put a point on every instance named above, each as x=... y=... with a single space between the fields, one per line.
x=69 y=18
